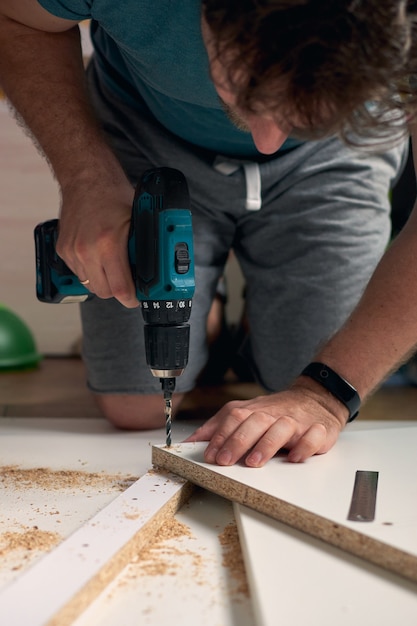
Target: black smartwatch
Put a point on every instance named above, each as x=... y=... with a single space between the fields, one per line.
x=336 y=385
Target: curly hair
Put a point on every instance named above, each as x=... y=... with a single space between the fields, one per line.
x=339 y=66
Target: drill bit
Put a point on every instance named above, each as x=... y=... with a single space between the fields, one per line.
x=168 y=386
x=168 y=417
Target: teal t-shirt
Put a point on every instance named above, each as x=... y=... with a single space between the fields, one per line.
x=151 y=53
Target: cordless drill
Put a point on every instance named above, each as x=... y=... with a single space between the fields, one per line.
x=160 y=249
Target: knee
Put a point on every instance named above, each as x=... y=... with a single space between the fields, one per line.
x=135 y=412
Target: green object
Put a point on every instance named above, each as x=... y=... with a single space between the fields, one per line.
x=17 y=345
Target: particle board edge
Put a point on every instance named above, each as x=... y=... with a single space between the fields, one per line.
x=80 y=602
x=354 y=542
x=72 y=575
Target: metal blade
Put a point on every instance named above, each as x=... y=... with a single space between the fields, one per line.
x=363 y=503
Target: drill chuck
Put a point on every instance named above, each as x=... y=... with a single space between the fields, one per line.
x=167 y=349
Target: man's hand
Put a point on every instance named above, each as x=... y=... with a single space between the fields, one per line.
x=93 y=236
x=300 y=419
x=38 y=49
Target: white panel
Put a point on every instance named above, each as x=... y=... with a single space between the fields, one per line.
x=319 y=490
x=299 y=580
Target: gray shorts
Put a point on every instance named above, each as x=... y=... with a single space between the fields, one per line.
x=306 y=254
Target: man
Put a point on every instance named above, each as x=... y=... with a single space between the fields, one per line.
x=227 y=92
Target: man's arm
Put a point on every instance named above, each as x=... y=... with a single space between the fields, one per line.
x=382 y=331
x=42 y=74
x=380 y=334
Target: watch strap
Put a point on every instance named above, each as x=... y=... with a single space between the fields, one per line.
x=336 y=385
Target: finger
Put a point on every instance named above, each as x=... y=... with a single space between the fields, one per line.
x=89 y=273
x=204 y=432
x=122 y=288
x=275 y=438
x=314 y=441
x=119 y=277
x=207 y=430
x=92 y=278
x=244 y=437
x=228 y=421
x=110 y=279
x=86 y=284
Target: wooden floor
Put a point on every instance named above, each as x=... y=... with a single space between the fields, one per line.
x=56 y=388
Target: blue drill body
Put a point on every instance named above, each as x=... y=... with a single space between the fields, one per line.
x=161 y=257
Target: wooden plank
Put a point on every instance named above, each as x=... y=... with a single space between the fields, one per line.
x=314 y=496
x=188 y=576
x=60 y=586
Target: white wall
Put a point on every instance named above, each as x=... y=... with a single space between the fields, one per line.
x=28 y=195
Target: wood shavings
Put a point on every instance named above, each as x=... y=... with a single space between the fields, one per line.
x=172 y=529
x=163 y=557
x=160 y=558
x=132 y=516
x=29 y=539
x=233 y=558
x=13 y=476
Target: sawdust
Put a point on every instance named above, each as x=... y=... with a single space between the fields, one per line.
x=13 y=476
x=172 y=529
x=160 y=558
x=30 y=539
x=233 y=558
x=152 y=471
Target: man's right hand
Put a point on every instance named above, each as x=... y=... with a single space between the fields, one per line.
x=93 y=236
x=42 y=74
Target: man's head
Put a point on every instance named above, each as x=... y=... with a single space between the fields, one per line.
x=315 y=65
